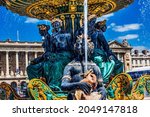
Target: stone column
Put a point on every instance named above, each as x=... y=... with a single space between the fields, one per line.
x=148 y=62
x=138 y=63
x=143 y=63
x=125 y=62
x=17 y=63
x=26 y=61
x=2 y=73
x=7 y=63
x=130 y=60
x=118 y=56
x=26 y=58
x=133 y=62
x=35 y=55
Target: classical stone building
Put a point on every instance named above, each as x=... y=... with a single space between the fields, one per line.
x=15 y=57
x=123 y=53
x=140 y=58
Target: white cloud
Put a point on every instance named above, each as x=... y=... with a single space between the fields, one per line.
x=126 y=27
x=105 y=17
x=111 y=25
x=31 y=20
x=129 y=37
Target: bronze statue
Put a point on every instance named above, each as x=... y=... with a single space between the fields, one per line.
x=73 y=73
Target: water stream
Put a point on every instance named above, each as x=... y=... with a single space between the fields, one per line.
x=86 y=30
x=144 y=18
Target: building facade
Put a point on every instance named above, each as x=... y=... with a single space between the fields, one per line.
x=14 y=58
x=123 y=53
x=140 y=58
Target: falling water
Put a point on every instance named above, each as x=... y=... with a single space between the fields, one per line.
x=144 y=8
x=86 y=30
x=144 y=17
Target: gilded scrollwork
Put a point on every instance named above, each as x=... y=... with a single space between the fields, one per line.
x=39 y=90
x=120 y=88
x=139 y=88
x=48 y=9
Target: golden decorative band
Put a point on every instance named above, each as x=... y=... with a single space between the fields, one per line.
x=66 y=77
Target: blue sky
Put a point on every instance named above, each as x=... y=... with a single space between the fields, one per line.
x=131 y=23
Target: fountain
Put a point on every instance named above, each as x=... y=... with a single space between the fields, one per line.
x=69 y=14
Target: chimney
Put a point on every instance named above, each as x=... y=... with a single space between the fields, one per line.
x=144 y=52
x=136 y=52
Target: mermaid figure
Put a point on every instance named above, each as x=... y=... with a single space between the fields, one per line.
x=59 y=57
x=35 y=68
x=102 y=52
x=56 y=56
x=102 y=55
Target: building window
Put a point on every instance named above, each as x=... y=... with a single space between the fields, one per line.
x=140 y=61
x=136 y=61
x=128 y=66
x=9 y=70
x=145 y=62
x=19 y=56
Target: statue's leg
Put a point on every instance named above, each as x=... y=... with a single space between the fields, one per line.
x=53 y=69
x=108 y=70
x=35 y=70
x=118 y=67
x=106 y=67
x=55 y=74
